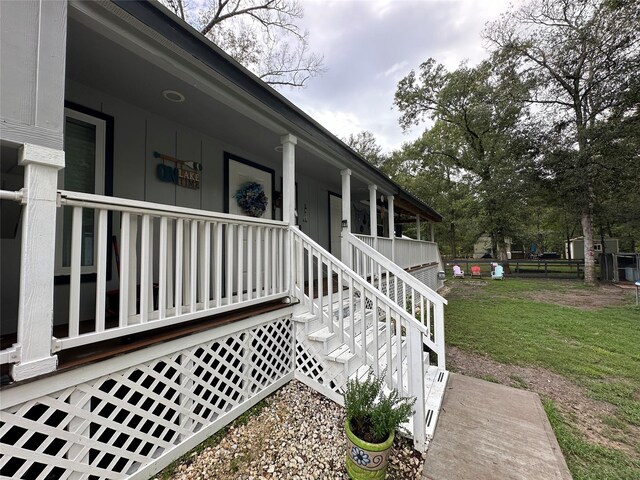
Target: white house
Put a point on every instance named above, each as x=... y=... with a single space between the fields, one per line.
x=178 y=242
x=574 y=248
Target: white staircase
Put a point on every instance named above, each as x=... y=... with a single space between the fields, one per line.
x=354 y=328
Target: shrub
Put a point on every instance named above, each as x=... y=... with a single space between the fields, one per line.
x=371 y=414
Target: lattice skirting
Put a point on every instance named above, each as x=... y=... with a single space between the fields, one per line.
x=429 y=276
x=130 y=416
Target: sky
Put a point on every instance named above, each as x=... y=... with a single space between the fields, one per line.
x=370 y=45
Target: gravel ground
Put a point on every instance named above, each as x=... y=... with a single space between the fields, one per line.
x=298 y=435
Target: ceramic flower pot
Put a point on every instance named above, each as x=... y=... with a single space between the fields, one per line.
x=366 y=461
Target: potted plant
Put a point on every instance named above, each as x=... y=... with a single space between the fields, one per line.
x=372 y=419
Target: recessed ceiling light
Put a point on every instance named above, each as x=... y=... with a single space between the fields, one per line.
x=173 y=96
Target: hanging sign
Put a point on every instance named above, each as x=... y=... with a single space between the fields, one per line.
x=184 y=174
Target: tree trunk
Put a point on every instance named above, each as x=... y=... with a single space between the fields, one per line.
x=589 y=256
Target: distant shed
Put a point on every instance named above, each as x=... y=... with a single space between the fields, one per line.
x=575 y=247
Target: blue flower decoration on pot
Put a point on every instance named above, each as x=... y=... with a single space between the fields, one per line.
x=359 y=456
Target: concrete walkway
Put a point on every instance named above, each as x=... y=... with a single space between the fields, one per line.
x=488 y=431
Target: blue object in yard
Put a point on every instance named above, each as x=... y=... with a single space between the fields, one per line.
x=498 y=273
x=637 y=292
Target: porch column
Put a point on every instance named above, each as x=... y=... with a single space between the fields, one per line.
x=373 y=214
x=392 y=228
x=418 y=226
x=288 y=143
x=346 y=215
x=37 y=261
x=433 y=233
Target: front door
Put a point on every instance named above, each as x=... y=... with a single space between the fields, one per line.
x=335 y=223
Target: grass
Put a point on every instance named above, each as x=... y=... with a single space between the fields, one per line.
x=170 y=470
x=598 y=349
x=588 y=461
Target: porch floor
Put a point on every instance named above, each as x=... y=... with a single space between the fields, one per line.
x=489 y=431
x=96 y=352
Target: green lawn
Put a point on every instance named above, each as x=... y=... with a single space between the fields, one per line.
x=598 y=349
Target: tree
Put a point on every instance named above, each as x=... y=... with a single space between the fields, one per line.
x=366 y=145
x=477 y=112
x=582 y=59
x=260 y=34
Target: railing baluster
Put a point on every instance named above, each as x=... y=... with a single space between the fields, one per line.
x=205 y=248
x=162 y=269
x=375 y=332
x=101 y=272
x=340 y=307
x=281 y=257
x=259 y=275
x=179 y=271
x=230 y=261
x=389 y=352
x=399 y=355
x=218 y=264
x=133 y=272
x=144 y=269
x=330 y=293
x=125 y=232
x=250 y=262
x=363 y=323
x=352 y=328
x=310 y=285
x=170 y=275
x=265 y=257
x=150 y=267
x=193 y=267
x=320 y=288
x=274 y=261
x=76 y=268
x=300 y=265
x=186 y=264
x=240 y=268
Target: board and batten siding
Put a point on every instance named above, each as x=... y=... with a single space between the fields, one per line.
x=33 y=51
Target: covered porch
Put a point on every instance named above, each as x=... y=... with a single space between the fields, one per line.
x=139 y=288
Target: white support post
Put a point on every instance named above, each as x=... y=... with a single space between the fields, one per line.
x=373 y=214
x=288 y=178
x=418 y=227
x=288 y=201
x=346 y=215
x=433 y=234
x=37 y=258
x=392 y=228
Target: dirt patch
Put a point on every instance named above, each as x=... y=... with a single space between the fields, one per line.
x=586 y=413
x=584 y=299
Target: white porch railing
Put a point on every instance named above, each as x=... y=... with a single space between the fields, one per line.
x=408 y=252
x=403 y=336
x=176 y=265
x=413 y=296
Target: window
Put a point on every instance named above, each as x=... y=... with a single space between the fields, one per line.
x=84 y=145
x=597 y=247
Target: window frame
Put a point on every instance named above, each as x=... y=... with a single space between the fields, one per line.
x=102 y=126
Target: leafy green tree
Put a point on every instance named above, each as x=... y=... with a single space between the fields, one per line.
x=365 y=144
x=263 y=35
x=581 y=58
x=477 y=113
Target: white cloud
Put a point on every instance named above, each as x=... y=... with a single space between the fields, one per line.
x=369 y=46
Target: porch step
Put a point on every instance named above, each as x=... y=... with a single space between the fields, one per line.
x=435 y=385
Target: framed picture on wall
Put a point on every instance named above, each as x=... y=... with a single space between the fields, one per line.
x=249 y=188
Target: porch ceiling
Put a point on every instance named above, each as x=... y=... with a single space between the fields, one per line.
x=100 y=63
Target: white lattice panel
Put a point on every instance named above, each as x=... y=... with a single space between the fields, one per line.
x=114 y=425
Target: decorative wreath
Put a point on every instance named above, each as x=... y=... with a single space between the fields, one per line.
x=252 y=199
